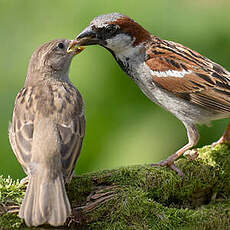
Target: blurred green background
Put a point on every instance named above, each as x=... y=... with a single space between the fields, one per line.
x=123 y=126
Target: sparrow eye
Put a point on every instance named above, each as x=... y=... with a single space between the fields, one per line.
x=111 y=29
x=107 y=31
x=60 y=45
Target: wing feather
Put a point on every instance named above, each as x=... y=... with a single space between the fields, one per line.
x=21 y=129
x=71 y=129
x=189 y=75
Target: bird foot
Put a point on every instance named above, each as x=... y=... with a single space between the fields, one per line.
x=191 y=154
x=222 y=140
x=171 y=165
x=24 y=181
x=225 y=139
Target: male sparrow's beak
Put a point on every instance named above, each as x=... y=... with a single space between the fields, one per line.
x=87 y=37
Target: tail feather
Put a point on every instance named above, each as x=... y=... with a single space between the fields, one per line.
x=45 y=201
x=60 y=203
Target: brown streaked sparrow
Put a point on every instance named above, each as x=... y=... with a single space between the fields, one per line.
x=47 y=132
x=192 y=87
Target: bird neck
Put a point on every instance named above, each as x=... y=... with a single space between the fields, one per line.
x=130 y=59
x=38 y=77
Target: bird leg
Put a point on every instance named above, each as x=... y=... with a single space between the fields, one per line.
x=193 y=138
x=225 y=138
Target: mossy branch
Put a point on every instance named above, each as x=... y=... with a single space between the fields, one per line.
x=142 y=197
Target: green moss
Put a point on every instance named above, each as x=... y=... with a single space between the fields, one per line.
x=144 y=197
x=80 y=187
x=10 y=191
x=219 y=156
x=10 y=221
x=11 y=194
x=132 y=209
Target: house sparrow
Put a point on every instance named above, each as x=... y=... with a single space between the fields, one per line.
x=192 y=87
x=47 y=132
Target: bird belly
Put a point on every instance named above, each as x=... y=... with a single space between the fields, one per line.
x=182 y=109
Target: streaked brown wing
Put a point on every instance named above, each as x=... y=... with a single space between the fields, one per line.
x=192 y=77
x=70 y=125
x=21 y=129
x=71 y=136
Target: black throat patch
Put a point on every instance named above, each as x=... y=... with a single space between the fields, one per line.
x=123 y=64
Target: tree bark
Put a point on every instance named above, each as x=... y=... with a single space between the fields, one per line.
x=142 y=197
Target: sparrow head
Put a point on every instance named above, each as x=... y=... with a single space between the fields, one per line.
x=115 y=32
x=52 y=59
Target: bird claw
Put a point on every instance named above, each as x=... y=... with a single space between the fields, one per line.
x=171 y=165
x=179 y=172
x=24 y=181
x=220 y=141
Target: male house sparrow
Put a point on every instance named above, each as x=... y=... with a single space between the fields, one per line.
x=192 y=87
x=47 y=132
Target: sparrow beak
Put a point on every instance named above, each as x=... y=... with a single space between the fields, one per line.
x=87 y=37
x=75 y=49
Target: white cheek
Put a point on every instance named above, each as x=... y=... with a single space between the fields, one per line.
x=119 y=43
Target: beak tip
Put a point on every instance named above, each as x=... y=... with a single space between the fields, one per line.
x=73 y=48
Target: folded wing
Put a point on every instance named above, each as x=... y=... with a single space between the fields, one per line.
x=189 y=75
